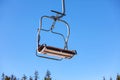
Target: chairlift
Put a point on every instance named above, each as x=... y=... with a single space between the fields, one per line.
x=51 y=52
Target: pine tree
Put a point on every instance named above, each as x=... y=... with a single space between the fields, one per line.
x=36 y=75
x=103 y=78
x=110 y=78
x=12 y=77
x=24 y=77
x=118 y=77
x=30 y=78
x=15 y=78
x=47 y=77
x=7 y=78
x=3 y=76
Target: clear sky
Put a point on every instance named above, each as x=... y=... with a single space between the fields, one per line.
x=95 y=34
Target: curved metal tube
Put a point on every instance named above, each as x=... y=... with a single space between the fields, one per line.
x=50 y=28
x=40 y=28
x=68 y=35
x=51 y=17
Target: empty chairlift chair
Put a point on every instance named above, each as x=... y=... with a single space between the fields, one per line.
x=51 y=52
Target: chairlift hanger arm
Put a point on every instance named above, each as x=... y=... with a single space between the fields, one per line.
x=63 y=9
x=63 y=6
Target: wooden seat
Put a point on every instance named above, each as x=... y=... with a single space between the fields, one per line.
x=58 y=52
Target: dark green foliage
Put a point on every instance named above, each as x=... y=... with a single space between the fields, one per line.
x=7 y=78
x=110 y=78
x=103 y=78
x=118 y=77
x=13 y=77
x=30 y=78
x=24 y=77
x=36 y=75
x=47 y=77
x=3 y=76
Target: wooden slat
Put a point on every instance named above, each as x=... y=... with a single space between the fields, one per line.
x=56 y=51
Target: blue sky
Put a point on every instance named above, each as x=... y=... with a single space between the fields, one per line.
x=95 y=34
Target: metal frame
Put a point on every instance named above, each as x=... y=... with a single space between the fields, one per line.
x=55 y=18
x=52 y=27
